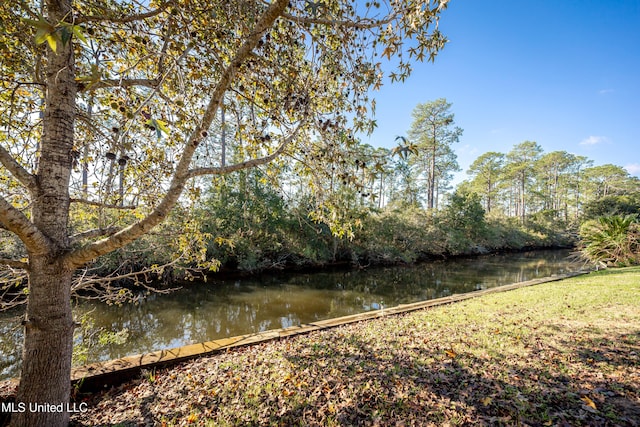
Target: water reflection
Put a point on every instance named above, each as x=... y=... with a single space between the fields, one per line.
x=220 y=309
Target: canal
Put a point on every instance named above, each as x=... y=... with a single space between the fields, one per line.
x=218 y=309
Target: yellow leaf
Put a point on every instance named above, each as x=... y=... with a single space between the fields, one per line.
x=451 y=353
x=487 y=401
x=588 y=402
x=52 y=42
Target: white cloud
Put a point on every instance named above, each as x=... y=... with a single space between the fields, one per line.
x=633 y=169
x=467 y=149
x=605 y=91
x=594 y=140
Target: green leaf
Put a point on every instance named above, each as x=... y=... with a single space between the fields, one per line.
x=78 y=32
x=41 y=36
x=162 y=126
x=159 y=126
x=91 y=79
x=65 y=35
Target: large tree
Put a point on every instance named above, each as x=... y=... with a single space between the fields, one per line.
x=558 y=172
x=520 y=168
x=433 y=132
x=486 y=171
x=115 y=104
x=606 y=180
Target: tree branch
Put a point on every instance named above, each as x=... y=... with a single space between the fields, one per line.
x=150 y=83
x=15 y=221
x=91 y=251
x=363 y=24
x=112 y=16
x=14 y=264
x=96 y=232
x=248 y=163
x=20 y=173
x=26 y=8
x=102 y=205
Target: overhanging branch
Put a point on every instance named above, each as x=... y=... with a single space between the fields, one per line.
x=221 y=170
x=363 y=24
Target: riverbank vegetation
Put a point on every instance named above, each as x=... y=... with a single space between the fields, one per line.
x=561 y=353
x=373 y=210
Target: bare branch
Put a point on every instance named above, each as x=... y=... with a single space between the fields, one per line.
x=91 y=251
x=89 y=282
x=20 y=173
x=101 y=288
x=13 y=280
x=15 y=221
x=10 y=297
x=246 y=164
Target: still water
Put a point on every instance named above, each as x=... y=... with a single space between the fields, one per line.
x=217 y=309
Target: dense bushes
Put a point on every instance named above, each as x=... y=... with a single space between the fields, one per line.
x=260 y=232
x=251 y=228
x=267 y=234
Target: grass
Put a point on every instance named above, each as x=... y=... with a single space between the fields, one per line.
x=561 y=353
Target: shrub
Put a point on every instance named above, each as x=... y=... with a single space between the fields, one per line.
x=611 y=240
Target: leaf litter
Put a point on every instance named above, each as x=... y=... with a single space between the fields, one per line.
x=502 y=359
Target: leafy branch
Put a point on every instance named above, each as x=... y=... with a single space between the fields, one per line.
x=54 y=35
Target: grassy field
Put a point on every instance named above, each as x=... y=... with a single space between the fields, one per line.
x=564 y=353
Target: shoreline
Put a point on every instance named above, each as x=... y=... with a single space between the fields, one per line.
x=96 y=376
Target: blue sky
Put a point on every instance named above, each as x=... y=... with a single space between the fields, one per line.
x=563 y=73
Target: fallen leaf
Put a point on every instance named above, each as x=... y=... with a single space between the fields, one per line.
x=588 y=402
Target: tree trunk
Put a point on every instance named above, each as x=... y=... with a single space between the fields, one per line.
x=432 y=176
x=48 y=328
x=523 y=180
x=48 y=343
x=489 y=190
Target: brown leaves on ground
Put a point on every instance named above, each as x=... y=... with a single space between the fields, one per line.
x=471 y=363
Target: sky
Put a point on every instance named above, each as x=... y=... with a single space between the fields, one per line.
x=563 y=73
